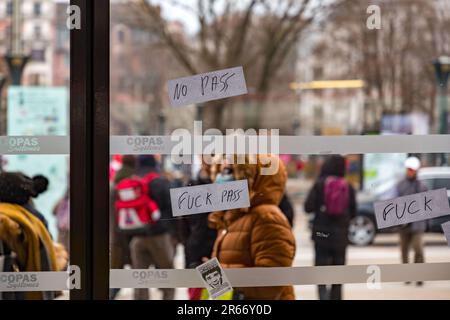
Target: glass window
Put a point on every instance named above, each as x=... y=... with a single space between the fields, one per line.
x=34 y=161
x=37 y=32
x=37 y=9
x=121 y=36
x=38 y=55
x=9 y=8
x=349 y=100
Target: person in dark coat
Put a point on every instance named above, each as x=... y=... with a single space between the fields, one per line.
x=287 y=209
x=198 y=238
x=155 y=247
x=330 y=232
x=119 y=242
x=411 y=234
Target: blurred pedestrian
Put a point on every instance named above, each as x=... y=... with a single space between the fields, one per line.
x=258 y=236
x=287 y=208
x=196 y=236
x=24 y=239
x=119 y=241
x=154 y=247
x=332 y=200
x=62 y=213
x=411 y=234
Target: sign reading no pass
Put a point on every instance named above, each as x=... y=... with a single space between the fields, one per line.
x=209 y=198
x=412 y=208
x=207 y=87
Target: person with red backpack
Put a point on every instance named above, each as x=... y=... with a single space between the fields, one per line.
x=144 y=211
x=332 y=200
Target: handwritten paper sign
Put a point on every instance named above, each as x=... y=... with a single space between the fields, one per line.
x=446 y=229
x=412 y=208
x=207 y=87
x=209 y=198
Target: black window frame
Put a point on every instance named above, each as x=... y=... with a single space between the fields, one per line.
x=89 y=145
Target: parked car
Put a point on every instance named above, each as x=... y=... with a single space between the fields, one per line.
x=363 y=227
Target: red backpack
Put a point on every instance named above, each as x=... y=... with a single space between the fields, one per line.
x=336 y=196
x=136 y=211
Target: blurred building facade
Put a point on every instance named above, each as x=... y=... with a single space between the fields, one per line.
x=333 y=111
x=140 y=68
x=38 y=18
x=394 y=61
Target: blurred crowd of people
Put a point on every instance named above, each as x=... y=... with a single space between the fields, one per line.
x=258 y=236
x=144 y=233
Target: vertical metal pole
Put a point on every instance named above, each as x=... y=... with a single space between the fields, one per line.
x=15 y=29
x=443 y=116
x=2 y=84
x=89 y=145
x=443 y=109
x=80 y=150
x=100 y=160
x=15 y=59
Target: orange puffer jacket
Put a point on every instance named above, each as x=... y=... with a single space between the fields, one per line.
x=259 y=236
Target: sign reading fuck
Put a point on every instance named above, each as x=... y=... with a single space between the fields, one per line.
x=412 y=208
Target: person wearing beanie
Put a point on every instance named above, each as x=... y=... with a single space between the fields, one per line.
x=411 y=234
x=17 y=188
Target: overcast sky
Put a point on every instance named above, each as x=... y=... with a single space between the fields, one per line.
x=171 y=11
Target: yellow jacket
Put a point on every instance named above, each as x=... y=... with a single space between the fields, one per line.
x=23 y=233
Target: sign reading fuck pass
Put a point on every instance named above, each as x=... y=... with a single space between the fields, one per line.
x=209 y=198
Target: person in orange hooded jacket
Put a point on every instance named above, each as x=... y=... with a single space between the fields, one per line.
x=258 y=236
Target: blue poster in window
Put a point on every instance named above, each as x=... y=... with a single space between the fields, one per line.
x=40 y=111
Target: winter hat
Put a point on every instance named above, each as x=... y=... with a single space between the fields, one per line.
x=412 y=163
x=15 y=188
x=40 y=185
x=147 y=161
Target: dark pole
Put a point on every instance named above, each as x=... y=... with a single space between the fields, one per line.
x=162 y=123
x=199 y=112
x=15 y=59
x=442 y=68
x=162 y=132
x=2 y=84
x=16 y=64
x=89 y=145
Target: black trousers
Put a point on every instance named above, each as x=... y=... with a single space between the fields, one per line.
x=330 y=255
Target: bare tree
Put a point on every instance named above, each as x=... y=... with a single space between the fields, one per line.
x=257 y=34
x=396 y=60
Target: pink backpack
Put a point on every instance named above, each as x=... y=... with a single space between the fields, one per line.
x=336 y=196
